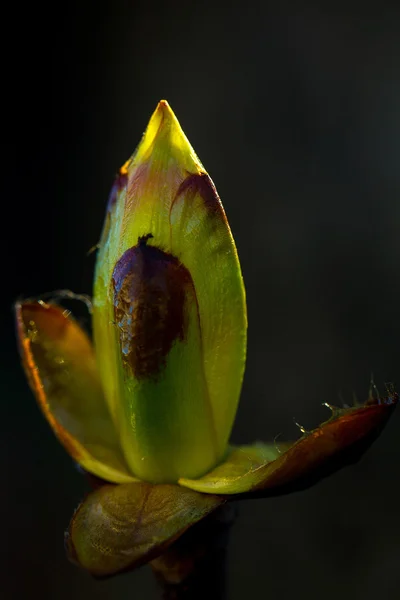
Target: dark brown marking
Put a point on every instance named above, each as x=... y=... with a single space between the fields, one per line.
x=120 y=182
x=150 y=293
x=143 y=239
x=200 y=183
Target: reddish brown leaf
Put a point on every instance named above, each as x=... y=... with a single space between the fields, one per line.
x=268 y=470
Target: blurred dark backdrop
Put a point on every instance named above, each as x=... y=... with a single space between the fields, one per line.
x=295 y=114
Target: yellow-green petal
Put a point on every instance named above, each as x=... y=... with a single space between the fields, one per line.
x=60 y=366
x=280 y=468
x=164 y=196
x=117 y=528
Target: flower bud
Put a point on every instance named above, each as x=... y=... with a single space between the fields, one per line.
x=169 y=310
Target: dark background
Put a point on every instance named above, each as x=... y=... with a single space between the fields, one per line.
x=295 y=114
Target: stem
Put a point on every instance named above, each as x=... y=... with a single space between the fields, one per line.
x=193 y=568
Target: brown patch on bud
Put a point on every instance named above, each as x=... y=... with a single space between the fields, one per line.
x=150 y=293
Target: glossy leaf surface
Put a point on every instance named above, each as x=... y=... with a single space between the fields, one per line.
x=61 y=369
x=117 y=528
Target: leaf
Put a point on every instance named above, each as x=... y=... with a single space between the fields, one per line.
x=118 y=528
x=272 y=470
x=60 y=366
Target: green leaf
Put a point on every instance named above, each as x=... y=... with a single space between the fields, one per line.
x=117 y=528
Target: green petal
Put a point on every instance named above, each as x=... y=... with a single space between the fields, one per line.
x=60 y=367
x=118 y=528
x=164 y=195
x=281 y=468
